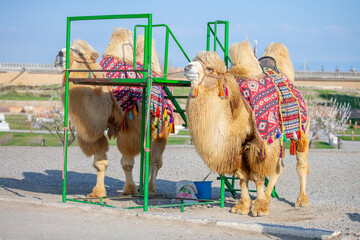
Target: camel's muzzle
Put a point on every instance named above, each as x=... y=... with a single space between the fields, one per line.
x=59 y=62
x=191 y=71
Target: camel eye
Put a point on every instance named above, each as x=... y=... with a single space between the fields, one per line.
x=209 y=69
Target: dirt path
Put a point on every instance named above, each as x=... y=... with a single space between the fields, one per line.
x=30 y=195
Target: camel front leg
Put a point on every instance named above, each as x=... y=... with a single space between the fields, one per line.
x=261 y=204
x=273 y=179
x=244 y=205
x=127 y=164
x=100 y=164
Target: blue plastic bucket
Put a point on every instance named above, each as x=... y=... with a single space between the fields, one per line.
x=203 y=189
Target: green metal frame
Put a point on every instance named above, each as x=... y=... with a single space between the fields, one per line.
x=146 y=82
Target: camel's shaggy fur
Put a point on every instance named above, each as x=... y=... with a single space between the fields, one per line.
x=93 y=110
x=224 y=130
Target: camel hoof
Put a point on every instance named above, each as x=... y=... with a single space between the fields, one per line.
x=243 y=207
x=129 y=190
x=152 y=190
x=302 y=201
x=97 y=192
x=261 y=208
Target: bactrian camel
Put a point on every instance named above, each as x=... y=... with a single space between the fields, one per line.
x=224 y=130
x=94 y=109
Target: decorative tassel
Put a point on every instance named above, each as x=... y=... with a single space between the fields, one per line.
x=159 y=128
x=165 y=115
x=130 y=116
x=300 y=146
x=263 y=152
x=135 y=110
x=172 y=128
x=155 y=122
x=157 y=112
x=226 y=91
x=123 y=125
x=282 y=151
x=284 y=138
x=300 y=134
x=270 y=140
x=278 y=134
x=89 y=75
x=293 y=147
x=194 y=93
x=172 y=125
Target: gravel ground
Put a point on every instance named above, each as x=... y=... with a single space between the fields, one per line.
x=34 y=174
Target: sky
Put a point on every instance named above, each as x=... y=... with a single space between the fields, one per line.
x=323 y=33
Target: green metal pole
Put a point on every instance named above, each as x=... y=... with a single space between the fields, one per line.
x=134 y=51
x=66 y=109
x=222 y=191
x=166 y=52
x=208 y=38
x=148 y=38
x=226 y=53
x=215 y=35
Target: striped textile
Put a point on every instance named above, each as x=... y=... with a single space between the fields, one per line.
x=263 y=97
x=291 y=101
x=127 y=97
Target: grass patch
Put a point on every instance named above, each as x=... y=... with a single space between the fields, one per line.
x=184 y=132
x=29 y=93
x=35 y=139
x=178 y=141
x=348 y=138
x=340 y=96
x=17 y=122
x=30 y=139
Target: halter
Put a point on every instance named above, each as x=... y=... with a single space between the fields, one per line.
x=223 y=90
x=82 y=59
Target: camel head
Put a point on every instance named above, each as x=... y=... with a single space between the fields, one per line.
x=140 y=43
x=280 y=53
x=205 y=69
x=80 y=51
x=120 y=45
x=243 y=61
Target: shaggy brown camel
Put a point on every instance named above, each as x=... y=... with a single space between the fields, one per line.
x=224 y=130
x=98 y=105
x=120 y=50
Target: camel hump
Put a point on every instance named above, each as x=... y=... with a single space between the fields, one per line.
x=244 y=63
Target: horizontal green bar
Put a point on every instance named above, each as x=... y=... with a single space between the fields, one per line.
x=175 y=205
x=219 y=178
x=93 y=203
x=168 y=97
x=163 y=80
x=237 y=190
x=220 y=21
x=104 y=17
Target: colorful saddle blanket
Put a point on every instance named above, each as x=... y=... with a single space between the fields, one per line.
x=263 y=97
x=127 y=97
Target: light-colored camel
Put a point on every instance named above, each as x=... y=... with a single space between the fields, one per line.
x=224 y=131
x=129 y=142
x=92 y=109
